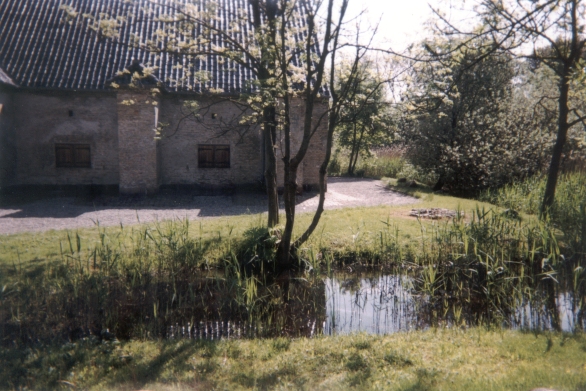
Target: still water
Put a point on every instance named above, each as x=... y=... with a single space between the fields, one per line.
x=375 y=304
x=388 y=303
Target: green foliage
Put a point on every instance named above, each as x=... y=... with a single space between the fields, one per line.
x=467 y=122
x=380 y=163
x=523 y=196
x=255 y=253
x=490 y=265
x=567 y=214
x=364 y=122
x=565 y=227
x=137 y=282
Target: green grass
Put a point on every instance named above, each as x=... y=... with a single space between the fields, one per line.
x=337 y=230
x=436 y=359
x=138 y=280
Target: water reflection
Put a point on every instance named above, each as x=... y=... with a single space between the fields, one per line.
x=377 y=305
x=534 y=315
x=389 y=303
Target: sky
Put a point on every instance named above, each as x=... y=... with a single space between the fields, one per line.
x=403 y=21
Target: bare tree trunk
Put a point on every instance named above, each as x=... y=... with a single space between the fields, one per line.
x=350 y=168
x=323 y=170
x=556 y=156
x=289 y=194
x=269 y=111
x=357 y=146
x=289 y=191
x=269 y=133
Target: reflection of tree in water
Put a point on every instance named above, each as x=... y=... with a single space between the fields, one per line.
x=299 y=307
x=379 y=304
x=295 y=308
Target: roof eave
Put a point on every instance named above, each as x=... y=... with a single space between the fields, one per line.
x=6 y=80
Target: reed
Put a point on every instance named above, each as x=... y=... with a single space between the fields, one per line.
x=567 y=218
x=383 y=163
x=138 y=281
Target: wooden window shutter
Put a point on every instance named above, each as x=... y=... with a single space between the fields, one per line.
x=82 y=156
x=222 y=156
x=213 y=156
x=205 y=156
x=73 y=155
x=64 y=155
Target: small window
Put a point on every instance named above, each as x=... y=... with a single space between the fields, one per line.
x=73 y=155
x=213 y=156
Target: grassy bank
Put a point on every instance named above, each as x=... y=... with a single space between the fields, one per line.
x=437 y=359
x=87 y=308
x=341 y=230
x=138 y=281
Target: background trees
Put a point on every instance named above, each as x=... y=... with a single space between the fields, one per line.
x=468 y=118
x=365 y=120
x=550 y=32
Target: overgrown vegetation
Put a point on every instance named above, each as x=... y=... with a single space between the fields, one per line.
x=464 y=119
x=389 y=162
x=137 y=282
x=567 y=214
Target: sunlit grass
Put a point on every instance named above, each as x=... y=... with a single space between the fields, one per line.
x=337 y=229
x=436 y=359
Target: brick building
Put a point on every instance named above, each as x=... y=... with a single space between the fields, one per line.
x=62 y=122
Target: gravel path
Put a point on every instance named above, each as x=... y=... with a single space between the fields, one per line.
x=70 y=213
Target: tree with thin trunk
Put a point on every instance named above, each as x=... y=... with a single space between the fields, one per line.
x=365 y=121
x=554 y=30
x=290 y=47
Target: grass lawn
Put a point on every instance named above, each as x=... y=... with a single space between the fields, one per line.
x=340 y=230
x=436 y=359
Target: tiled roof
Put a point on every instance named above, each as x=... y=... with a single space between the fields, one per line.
x=39 y=50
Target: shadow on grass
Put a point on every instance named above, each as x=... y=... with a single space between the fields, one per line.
x=426 y=380
x=418 y=191
x=268 y=380
x=171 y=355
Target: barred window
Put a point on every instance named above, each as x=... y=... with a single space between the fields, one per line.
x=73 y=155
x=213 y=156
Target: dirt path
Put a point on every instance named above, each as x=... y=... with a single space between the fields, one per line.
x=70 y=213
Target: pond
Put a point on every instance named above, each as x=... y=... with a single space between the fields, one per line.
x=387 y=304
x=376 y=304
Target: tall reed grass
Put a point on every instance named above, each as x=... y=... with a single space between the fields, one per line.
x=567 y=218
x=137 y=282
x=481 y=268
x=387 y=162
x=477 y=268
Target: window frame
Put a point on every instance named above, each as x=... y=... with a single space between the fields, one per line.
x=216 y=160
x=76 y=161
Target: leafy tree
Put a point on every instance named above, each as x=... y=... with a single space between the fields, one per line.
x=467 y=122
x=277 y=40
x=364 y=120
x=555 y=29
